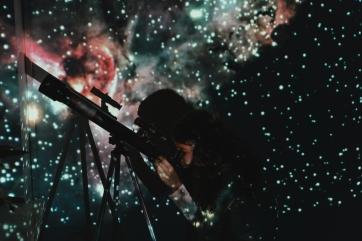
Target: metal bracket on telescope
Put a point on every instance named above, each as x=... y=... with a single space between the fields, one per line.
x=105 y=99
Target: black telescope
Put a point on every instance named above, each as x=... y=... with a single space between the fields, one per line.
x=57 y=90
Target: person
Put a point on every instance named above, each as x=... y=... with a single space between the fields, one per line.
x=216 y=186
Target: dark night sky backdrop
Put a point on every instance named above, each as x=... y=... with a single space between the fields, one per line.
x=296 y=101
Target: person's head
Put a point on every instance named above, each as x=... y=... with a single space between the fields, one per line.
x=192 y=130
x=164 y=109
x=203 y=137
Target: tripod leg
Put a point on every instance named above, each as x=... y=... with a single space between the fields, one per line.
x=56 y=179
x=116 y=198
x=99 y=167
x=85 y=181
x=140 y=197
x=107 y=186
x=117 y=178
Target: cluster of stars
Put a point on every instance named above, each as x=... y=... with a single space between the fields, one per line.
x=292 y=81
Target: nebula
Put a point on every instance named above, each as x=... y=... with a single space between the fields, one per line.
x=91 y=65
x=131 y=51
x=117 y=64
x=39 y=55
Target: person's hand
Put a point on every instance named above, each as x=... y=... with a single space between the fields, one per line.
x=187 y=151
x=167 y=173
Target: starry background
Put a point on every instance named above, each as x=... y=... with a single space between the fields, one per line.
x=285 y=74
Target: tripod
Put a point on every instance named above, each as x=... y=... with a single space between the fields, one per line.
x=62 y=92
x=84 y=130
x=121 y=149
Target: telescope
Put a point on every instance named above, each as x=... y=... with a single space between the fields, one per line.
x=149 y=141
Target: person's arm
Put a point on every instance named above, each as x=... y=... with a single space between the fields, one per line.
x=183 y=200
x=148 y=177
x=180 y=196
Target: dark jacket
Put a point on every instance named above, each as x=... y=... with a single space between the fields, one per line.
x=223 y=180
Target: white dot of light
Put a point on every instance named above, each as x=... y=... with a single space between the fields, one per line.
x=196 y=13
x=78 y=86
x=33 y=113
x=99 y=189
x=57 y=107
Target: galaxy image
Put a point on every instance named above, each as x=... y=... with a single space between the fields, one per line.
x=285 y=74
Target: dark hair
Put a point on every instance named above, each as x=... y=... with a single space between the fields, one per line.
x=217 y=144
x=207 y=132
x=164 y=109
